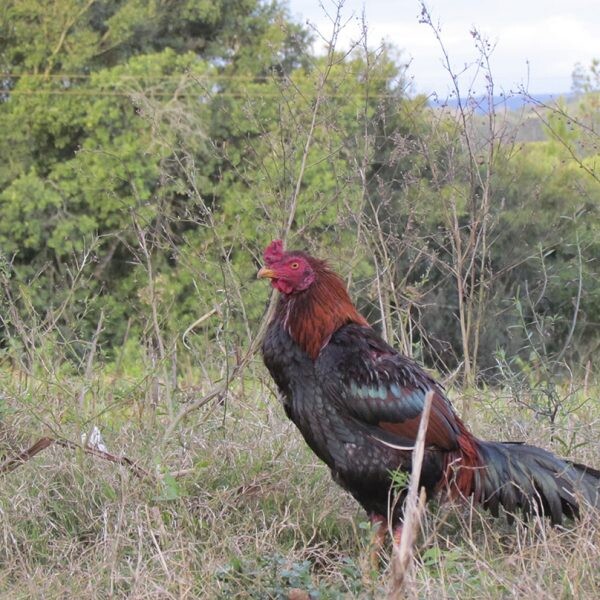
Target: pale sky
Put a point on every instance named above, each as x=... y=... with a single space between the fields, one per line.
x=537 y=42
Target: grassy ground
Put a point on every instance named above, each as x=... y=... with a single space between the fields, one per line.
x=250 y=513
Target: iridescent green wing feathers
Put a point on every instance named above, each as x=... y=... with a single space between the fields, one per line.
x=378 y=387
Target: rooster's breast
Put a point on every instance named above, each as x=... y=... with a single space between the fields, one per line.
x=358 y=462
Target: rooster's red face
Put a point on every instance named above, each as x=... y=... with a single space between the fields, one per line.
x=289 y=272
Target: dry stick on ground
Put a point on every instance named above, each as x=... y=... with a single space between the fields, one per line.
x=14 y=462
x=413 y=508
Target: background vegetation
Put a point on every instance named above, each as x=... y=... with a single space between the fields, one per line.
x=150 y=150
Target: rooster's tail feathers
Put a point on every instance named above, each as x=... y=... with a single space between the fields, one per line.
x=526 y=478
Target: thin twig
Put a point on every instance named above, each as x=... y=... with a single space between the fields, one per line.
x=197 y=322
x=577 y=304
x=90 y=362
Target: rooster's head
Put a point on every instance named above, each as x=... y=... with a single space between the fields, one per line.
x=289 y=272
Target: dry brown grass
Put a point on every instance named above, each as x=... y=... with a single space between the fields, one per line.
x=255 y=515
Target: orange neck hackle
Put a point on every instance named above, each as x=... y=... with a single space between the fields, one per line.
x=314 y=315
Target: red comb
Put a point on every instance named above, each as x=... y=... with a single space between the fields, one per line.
x=273 y=252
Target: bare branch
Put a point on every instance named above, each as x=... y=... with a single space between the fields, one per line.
x=14 y=462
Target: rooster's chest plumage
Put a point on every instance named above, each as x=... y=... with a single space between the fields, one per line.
x=357 y=462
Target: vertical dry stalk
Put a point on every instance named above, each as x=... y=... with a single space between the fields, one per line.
x=90 y=364
x=414 y=504
x=469 y=218
x=157 y=339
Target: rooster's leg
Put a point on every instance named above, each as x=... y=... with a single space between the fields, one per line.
x=379 y=526
x=397 y=535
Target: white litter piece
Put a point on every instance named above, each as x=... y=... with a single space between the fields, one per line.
x=94 y=440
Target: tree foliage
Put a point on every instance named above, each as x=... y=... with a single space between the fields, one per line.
x=150 y=149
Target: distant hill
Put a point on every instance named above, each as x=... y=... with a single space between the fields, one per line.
x=522 y=115
x=508 y=102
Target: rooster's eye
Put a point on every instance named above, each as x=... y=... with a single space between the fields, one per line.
x=294 y=265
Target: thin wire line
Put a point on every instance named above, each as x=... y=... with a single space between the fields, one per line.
x=102 y=93
x=161 y=77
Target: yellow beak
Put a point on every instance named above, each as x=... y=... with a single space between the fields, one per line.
x=266 y=272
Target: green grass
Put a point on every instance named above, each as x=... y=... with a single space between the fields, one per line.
x=252 y=513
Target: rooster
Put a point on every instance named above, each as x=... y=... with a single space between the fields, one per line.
x=358 y=403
